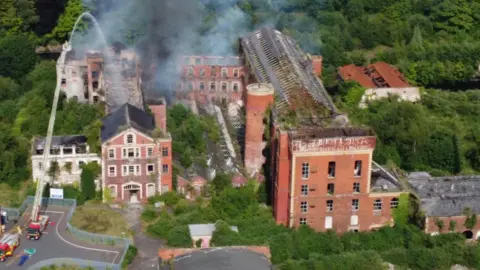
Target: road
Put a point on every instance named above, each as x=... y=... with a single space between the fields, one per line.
x=57 y=242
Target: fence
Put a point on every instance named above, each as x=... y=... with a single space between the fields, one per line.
x=77 y=233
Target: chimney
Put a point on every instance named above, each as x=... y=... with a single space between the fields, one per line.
x=159 y=111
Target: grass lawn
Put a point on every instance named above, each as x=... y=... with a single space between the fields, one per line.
x=13 y=197
x=100 y=219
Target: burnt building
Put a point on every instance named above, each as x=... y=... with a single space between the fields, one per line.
x=210 y=78
x=111 y=77
x=320 y=167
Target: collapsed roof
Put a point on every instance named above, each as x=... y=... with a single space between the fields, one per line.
x=446 y=196
x=277 y=59
x=57 y=141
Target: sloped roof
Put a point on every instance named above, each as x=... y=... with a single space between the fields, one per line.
x=354 y=73
x=390 y=74
x=127 y=116
x=379 y=74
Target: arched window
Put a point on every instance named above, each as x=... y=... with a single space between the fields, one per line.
x=394 y=203
x=377 y=205
x=130 y=138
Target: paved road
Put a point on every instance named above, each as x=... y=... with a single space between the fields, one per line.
x=58 y=243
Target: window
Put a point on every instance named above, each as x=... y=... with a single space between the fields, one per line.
x=131 y=152
x=137 y=170
x=198 y=61
x=190 y=72
x=330 y=188
x=164 y=151
x=212 y=86
x=40 y=166
x=331 y=169
x=235 y=87
x=149 y=151
x=235 y=73
x=394 y=203
x=111 y=153
x=328 y=222
x=355 y=204
x=150 y=168
x=356 y=187
x=81 y=163
x=377 y=205
x=358 y=168
x=112 y=171
x=304 y=189
x=329 y=205
x=190 y=86
x=129 y=138
x=224 y=87
x=304 y=207
x=354 y=220
x=303 y=221
x=305 y=170
x=202 y=72
x=224 y=72
x=131 y=169
x=213 y=72
x=164 y=168
x=124 y=170
x=202 y=86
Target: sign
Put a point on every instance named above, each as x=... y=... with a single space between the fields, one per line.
x=334 y=144
x=56 y=193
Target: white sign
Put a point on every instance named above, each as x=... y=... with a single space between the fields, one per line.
x=56 y=193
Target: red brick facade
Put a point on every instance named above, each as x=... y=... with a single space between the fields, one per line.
x=315 y=183
x=211 y=78
x=140 y=168
x=431 y=226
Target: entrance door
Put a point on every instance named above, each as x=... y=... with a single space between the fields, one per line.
x=134 y=191
x=133 y=196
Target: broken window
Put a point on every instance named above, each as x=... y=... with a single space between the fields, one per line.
x=64 y=81
x=304 y=207
x=305 y=170
x=224 y=87
x=165 y=152
x=68 y=151
x=235 y=73
x=330 y=188
x=164 y=168
x=190 y=72
x=224 y=72
x=213 y=72
x=198 y=61
x=358 y=168
x=55 y=151
x=377 y=205
x=329 y=205
x=235 y=87
x=355 y=205
x=150 y=168
x=131 y=152
x=81 y=149
x=202 y=86
x=303 y=221
x=95 y=85
x=331 y=169
x=202 y=72
x=394 y=203
x=80 y=164
x=356 y=187
x=304 y=189
x=212 y=86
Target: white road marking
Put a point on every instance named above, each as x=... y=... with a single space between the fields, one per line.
x=78 y=246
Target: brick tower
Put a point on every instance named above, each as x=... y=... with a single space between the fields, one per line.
x=259 y=97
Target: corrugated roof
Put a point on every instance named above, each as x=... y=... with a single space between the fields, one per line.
x=127 y=116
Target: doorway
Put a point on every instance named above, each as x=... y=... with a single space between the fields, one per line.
x=133 y=193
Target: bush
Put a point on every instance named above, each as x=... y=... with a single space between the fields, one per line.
x=129 y=256
x=149 y=214
x=169 y=198
x=161 y=227
x=179 y=236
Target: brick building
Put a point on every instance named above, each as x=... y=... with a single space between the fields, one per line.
x=320 y=168
x=380 y=80
x=212 y=78
x=136 y=153
x=447 y=199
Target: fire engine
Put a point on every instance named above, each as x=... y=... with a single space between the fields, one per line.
x=36 y=228
x=8 y=243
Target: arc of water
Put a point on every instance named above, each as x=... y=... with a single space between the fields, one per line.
x=97 y=26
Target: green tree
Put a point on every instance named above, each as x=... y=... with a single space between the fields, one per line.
x=87 y=181
x=17 y=53
x=221 y=181
x=67 y=20
x=402 y=212
x=453 y=16
x=452 y=225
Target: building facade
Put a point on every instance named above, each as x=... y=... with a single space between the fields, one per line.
x=67 y=156
x=137 y=154
x=211 y=78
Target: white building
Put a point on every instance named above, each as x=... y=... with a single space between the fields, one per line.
x=411 y=94
x=69 y=152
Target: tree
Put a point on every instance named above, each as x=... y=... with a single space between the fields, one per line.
x=87 y=182
x=221 y=182
x=17 y=53
x=67 y=21
x=453 y=16
x=402 y=212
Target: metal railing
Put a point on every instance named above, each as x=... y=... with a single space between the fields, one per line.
x=13 y=213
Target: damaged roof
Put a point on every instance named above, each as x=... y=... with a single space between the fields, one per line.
x=277 y=59
x=446 y=196
x=377 y=75
x=57 y=141
x=127 y=116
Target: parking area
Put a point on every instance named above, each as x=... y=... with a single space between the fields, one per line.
x=57 y=242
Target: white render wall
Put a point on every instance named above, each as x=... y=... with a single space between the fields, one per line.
x=63 y=177
x=411 y=94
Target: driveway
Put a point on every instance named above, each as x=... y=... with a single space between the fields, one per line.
x=58 y=243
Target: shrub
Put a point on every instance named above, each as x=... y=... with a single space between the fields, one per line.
x=129 y=256
x=149 y=214
x=179 y=236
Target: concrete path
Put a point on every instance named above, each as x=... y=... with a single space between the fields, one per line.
x=57 y=242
